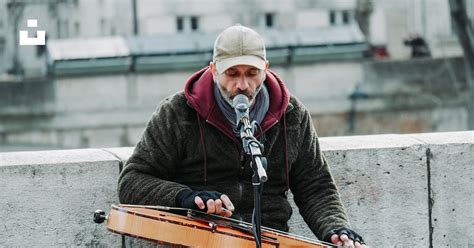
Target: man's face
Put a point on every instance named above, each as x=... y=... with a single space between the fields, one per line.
x=240 y=79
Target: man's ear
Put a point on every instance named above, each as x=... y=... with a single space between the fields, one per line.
x=212 y=67
x=267 y=64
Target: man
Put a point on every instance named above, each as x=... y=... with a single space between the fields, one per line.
x=191 y=155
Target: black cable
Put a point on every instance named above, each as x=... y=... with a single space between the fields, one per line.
x=254 y=230
x=251 y=141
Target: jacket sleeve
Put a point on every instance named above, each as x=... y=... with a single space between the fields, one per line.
x=147 y=178
x=312 y=185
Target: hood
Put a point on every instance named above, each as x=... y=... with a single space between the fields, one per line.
x=199 y=92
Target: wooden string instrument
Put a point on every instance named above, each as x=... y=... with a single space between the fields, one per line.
x=190 y=228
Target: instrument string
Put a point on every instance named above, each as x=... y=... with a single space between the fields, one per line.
x=223 y=221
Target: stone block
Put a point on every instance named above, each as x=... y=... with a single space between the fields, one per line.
x=48 y=198
x=452 y=191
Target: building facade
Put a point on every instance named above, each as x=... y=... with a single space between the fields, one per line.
x=394 y=22
x=101 y=82
x=65 y=19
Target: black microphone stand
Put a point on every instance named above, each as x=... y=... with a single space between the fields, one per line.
x=259 y=164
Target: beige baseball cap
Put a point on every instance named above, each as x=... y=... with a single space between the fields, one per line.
x=239 y=45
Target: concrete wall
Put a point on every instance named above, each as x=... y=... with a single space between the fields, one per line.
x=397 y=188
x=409 y=190
x=47 y=198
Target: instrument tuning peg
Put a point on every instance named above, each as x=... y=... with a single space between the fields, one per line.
x=99 y=216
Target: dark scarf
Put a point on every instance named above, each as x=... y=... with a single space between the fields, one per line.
x=257 y=112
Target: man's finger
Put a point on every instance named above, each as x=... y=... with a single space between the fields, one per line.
x=210 y=206
x=347 y=242
x=218 y=206
x=227 y=203
x=357 y=244
x=226 y=213
x=335 y=240
x=362 y=245
x=343 y=237
x=199 y=202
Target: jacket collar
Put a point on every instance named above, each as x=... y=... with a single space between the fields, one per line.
x=199 y=92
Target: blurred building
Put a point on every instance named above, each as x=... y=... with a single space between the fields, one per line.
x=108 y=63
x=386 y=23
x=393 y=22
x=61 y=19
x=65 y=19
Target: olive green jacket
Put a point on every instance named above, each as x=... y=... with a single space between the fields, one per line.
x=188 y=144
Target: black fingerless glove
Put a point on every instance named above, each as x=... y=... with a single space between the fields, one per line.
x=340 y=231
x=185 y=198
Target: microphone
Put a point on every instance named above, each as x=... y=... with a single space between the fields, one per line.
x=241 y=105
x=249 y=142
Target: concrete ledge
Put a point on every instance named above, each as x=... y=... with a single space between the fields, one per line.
x=48 y=198
x=410 y=190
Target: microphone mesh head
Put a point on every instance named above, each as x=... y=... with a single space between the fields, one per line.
x=240 y=102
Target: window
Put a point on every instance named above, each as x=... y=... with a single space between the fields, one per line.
x=52 y=9
x=194 y=23
x=63 y=29
x=269 y=22
x=454 y=27
x=2 y=45
x=339 y=17
x=58 y=28
x=332 y=17
x=187 y=23
x=41 y=49
x=345 y=17
x=77 y=28
x=179 y=23
x=102 y=26
x=66 y=28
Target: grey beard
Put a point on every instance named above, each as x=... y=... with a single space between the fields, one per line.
x=224 y=95
x=227 y=97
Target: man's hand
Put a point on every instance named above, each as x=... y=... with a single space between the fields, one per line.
x=221 y=206
x=212 y=202
x=345 y=237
